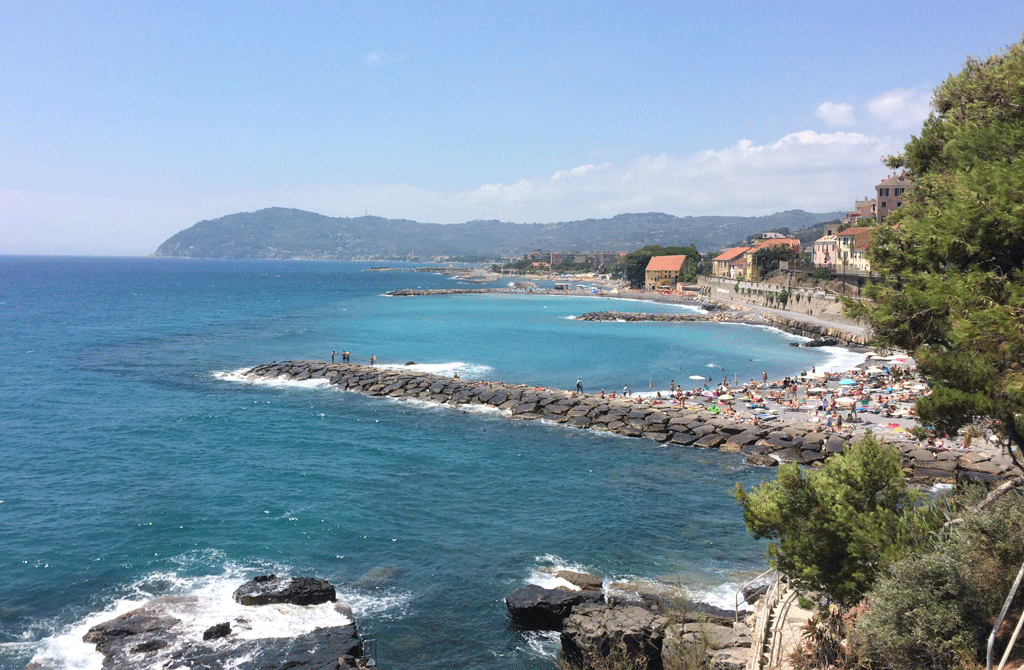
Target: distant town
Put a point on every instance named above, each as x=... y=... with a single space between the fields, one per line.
x=840 y=251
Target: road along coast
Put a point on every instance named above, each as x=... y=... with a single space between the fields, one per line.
x=666 y=423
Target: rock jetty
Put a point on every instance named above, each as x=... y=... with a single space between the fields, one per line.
x=667 y=424
x=406 y=292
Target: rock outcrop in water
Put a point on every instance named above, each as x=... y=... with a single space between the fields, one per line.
x=154 y=635
x=667 y=424
x=647 y=628
x=274 y=590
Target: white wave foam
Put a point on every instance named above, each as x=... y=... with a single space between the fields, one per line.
x=240 y=376
x=544 y=643
x=202 y=602
x=443 y=406
x=841 y=360
x=465 y=370
x=543 y=574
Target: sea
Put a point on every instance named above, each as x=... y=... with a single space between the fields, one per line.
x=138 y=462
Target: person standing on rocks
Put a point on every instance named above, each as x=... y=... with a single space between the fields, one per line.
x=579 y=386
x=373 y=359
x=333 y=354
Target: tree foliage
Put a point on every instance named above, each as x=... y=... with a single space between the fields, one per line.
x=767 y=259
x=952 y=258
x=834 y=529
x=635 y=263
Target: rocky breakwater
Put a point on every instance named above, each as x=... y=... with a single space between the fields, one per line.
x=169 y=632
x=670 y=317
x=639 y=626
x=667 y=424
x=406 y=292
x=820 y=333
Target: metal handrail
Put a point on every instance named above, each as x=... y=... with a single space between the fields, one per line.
x=757 y=642
x=775 y=655
x=740 y=590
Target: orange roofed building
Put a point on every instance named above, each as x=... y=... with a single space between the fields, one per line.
x=738 y=262
x=663 y=271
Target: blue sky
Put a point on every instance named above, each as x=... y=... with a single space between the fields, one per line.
x=125 y=122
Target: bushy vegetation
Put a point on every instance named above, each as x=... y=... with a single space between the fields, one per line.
x=935 y=609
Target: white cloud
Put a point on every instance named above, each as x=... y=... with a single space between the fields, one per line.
x=802 y=170
x=836 y=114
x=901 y=109
x=380 y=57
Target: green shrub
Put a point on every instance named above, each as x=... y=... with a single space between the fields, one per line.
x=921 y=616
x=935 y=609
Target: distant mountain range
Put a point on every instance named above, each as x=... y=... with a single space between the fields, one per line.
x=292 y=233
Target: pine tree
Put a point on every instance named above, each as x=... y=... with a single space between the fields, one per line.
x=952 y=258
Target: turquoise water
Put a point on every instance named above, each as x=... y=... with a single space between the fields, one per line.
x=134 y=465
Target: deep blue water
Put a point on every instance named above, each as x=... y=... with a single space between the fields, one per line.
x=133 y=465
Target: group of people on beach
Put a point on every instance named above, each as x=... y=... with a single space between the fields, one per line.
x=837 y=401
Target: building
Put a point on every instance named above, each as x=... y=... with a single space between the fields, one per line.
x=738 y=262
x=851 y=256
x=825 y=249
x=663 y=271
x=731 y=263
x=890 y=195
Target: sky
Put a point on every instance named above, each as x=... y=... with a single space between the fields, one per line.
x=122 y=123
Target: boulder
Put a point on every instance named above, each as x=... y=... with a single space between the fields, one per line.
x=272 y=590
x=596 y=633
x=762 y=460
x=537 y=608
x=217 y=631
x=583 y=580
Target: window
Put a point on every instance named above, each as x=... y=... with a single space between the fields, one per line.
x=883 y=191
x=897 y=191
x=883 y=204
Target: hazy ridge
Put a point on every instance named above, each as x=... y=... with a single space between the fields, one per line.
x=277 y=233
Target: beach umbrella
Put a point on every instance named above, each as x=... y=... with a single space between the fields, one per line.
x=874 y=370
x=845 y=401
x=725 y=396
x=847 y=382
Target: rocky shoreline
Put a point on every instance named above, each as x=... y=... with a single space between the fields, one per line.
x=162 y=633
x=653 y=628
x=666 y=424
